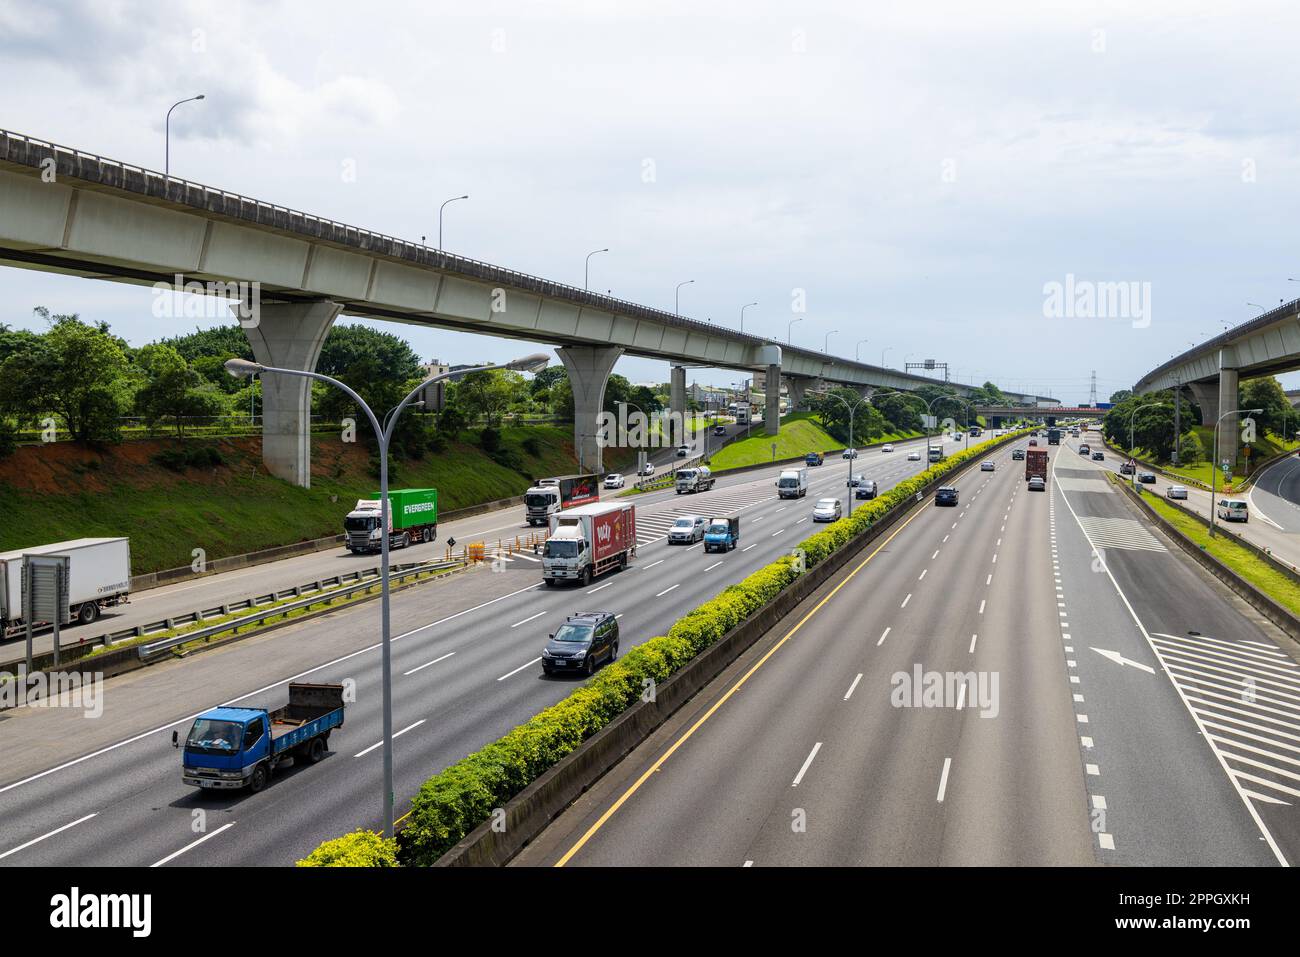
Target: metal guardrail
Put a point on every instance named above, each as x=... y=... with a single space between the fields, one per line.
x=325 y=596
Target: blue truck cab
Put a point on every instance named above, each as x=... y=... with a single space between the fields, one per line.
x=228 y=748
x=722 y=533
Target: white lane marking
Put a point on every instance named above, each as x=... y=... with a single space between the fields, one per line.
x=713 y=566
x=653 y=564
x=995 y=558
x=961 y=697
x=801 y=521
x=528 y=619
x=972 y=643
x=82 y=820
x=982 y=606
x=989 y=580
x=935 y=555
x=427 y=663
x=748 y=547
x=946 y=537
x=527 y=558
x=396 y=735
x=807 y=762
x=906 y=600
x=667 y=590
x=521 y=668
x=1092 y=769
x=1120 y=660
x=749 y=864
x=190 y=847
x=848 y=693
x=593 y=591
x=943 y=778
x=922 y=575
x=883 y=635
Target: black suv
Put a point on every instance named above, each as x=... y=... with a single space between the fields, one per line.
x=947 y=495
x=867 y=488
x=1018 y=455
x=584 y=641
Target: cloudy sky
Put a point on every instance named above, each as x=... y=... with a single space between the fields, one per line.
x=925 y=171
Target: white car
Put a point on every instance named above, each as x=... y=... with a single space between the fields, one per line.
x=913 y=456
x=849 y=454
x=647 y=469
x=688 y=528
x=683 y=451
x=1176 y=491
x=613 y=480
x=987 y=465
x=886 y=448
x=827 y=510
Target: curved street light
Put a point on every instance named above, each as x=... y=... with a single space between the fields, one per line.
x=857 y=350
x=586 y=268
x=242 y=368
x=677 y=297
x=742 y=314
x=167 y=134
x=789 y=329
x=826 y=342
x=440 y=209
x=1214 y=466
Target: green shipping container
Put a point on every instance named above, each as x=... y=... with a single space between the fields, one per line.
x=412 y=506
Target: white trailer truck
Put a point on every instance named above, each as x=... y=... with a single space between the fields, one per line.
x=99 y=575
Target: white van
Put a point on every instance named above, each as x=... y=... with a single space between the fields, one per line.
x=1233 y=510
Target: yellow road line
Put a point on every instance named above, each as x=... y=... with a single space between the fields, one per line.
x=723 y=700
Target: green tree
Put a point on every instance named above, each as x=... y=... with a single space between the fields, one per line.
x=1266 y=393
x=1123 y=395
x=74 y=370
x=1190 y=449
x=488 y=394
x=172 y=389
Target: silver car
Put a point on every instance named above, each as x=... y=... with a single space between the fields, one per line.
x=1176 y=491
x=687 y=530
x=987 y=465
x=827 y=510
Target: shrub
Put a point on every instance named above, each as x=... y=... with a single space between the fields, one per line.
x=180 y=458
x=8 y=439
x=532 y=445
x=358 y=849
x=489 y=440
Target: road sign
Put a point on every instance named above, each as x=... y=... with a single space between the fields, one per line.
x=45 y=596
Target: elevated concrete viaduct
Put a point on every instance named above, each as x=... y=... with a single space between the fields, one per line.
x=67 y=211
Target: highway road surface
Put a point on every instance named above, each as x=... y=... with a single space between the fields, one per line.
x=108 y=790
x=1141 y=713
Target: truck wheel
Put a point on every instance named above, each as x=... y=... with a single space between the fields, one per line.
x=550 y=582
x=316 y=751
x=260 y=776
x=586 y=575
x=88 y=612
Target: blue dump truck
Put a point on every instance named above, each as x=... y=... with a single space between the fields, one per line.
x=722 y=534
x=240 y=747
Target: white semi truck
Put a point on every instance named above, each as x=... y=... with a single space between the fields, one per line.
x=99 y=575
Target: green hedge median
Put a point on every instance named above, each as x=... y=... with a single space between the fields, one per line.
x=456 y=800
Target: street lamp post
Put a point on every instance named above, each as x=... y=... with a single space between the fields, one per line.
x=1133 y=418
x=167 y=134
x=857 y=350
x=1214 y=465
x=853 y=410
x=677 y=297
x=826 y=342
x=242 y=368
x=882 y=355
x=586 y=268
x=789 y=329
x=742 y=314
x=440 y=209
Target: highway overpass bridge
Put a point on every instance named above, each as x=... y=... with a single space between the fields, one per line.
x=67 y=211
x=1039 y=412
x=1266 y=345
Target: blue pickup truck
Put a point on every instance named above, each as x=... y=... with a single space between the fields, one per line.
x=722 y=533
x=240 y=747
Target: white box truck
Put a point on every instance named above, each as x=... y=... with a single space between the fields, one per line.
x=99 y=575
x=792 y=483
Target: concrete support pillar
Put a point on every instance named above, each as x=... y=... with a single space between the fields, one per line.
x=772 y=393
x=794 y=390
x=588 y=368
x=677 y=405
x=1206 y=395
x=289 y=335
x=1228 y=434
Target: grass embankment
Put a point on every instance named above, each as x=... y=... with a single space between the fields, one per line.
x=1263 y=448
x=800 y=434
x=62 y=491
x=1238 y=558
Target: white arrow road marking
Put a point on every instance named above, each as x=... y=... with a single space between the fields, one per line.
x=1120 y=660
